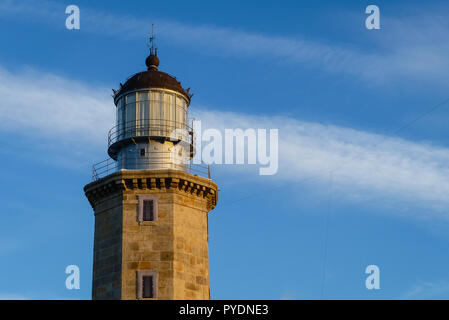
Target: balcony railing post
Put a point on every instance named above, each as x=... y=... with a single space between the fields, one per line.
x=157 y=160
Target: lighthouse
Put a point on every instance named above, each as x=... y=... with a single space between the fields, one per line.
x=150 y=202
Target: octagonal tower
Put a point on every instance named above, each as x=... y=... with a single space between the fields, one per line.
x=150 y=203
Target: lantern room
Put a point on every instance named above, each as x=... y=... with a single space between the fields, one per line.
x=152 y=130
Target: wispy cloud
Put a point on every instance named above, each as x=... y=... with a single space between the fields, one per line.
x=411 y=48
x=36 y=103
x=427 y=290
x=58 y=116
x=363 y=163
x=20 y=296
x=13 y=296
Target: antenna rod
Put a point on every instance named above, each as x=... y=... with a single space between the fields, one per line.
x=152 y=39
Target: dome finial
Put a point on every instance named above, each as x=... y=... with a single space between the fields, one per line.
x=152 y=61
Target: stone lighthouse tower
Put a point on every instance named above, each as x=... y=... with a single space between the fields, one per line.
x=150 y=203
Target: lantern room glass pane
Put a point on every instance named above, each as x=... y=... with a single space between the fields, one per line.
x=119 y=111
x=155 y=111
x=120 y=118
x=142 y=95
x=130 y=115
x=180 y=109
x=169 y=114
x=130 y=98
x=142 y=113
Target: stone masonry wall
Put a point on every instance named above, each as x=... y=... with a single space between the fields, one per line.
x=175 y=245
x=106 y=281
x=191 y=262
x=147 y=245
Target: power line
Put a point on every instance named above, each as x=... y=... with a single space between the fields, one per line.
x=331 y=172
x=421 y=116
x=394 y=132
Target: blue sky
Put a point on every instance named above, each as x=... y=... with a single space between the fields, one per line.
x=345 y=99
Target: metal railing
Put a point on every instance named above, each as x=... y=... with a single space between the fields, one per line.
x=157 y=161
x=150 y=128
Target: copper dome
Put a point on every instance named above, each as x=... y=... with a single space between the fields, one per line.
x=152 y=78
